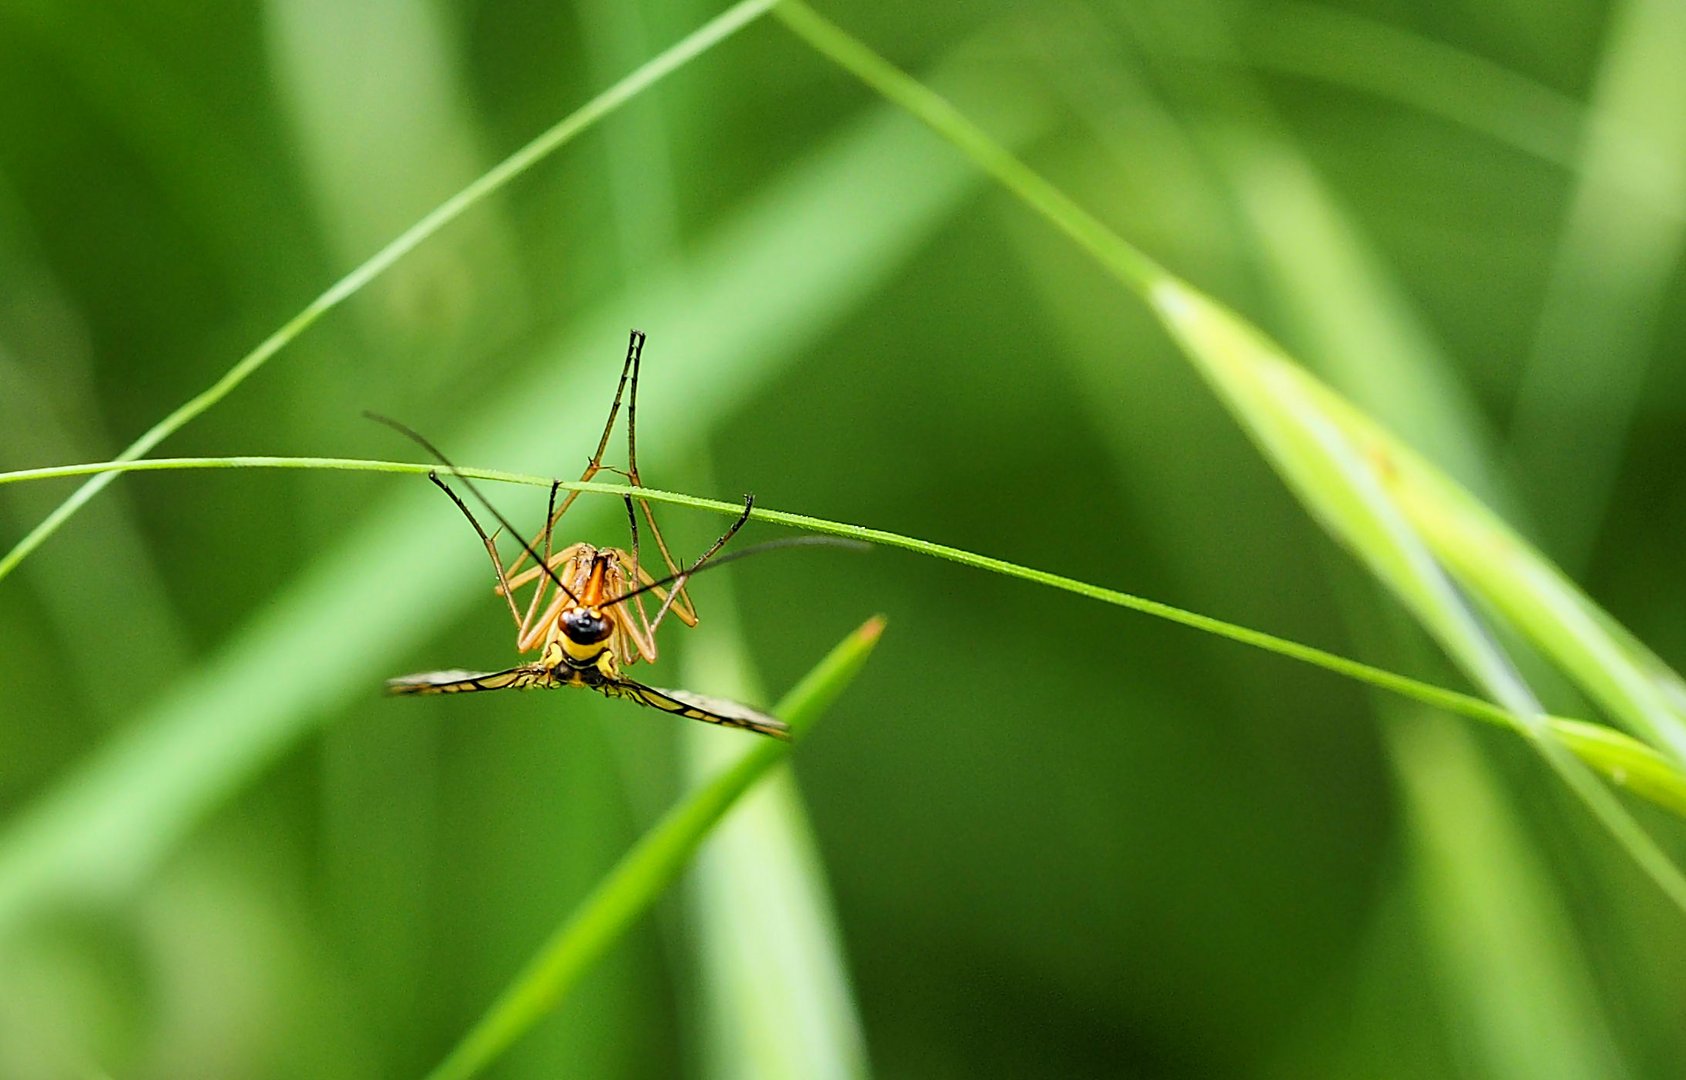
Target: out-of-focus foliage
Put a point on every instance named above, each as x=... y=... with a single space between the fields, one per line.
x=1060 y=840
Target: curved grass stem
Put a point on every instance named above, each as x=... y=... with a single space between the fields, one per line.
x=1620 y=758
x=1323 y=449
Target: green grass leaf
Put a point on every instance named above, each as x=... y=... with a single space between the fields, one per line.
x=753 y=291
x=1296 y=421
x=559 y=135
x=788 y=958
x=649 y=868
x=1619 y=758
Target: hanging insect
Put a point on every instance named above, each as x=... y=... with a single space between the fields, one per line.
x=593 y=621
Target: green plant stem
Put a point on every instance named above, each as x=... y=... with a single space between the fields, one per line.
x=1298 y=439
x=647 y=869
x=1618 y=757
x=704 y=38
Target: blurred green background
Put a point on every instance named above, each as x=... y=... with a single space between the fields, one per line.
x=1048 y=838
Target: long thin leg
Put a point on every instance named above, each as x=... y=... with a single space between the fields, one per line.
x=491 y=548
x=679 y=582
x=549 y=509
x=629 y=367
x=518 y=580
x=632 y=526
x=643 y=637
x=545 y=573
x=643 y=644
x=683 y=598
x=532 y=572
x=636 y=571
x=539 y=591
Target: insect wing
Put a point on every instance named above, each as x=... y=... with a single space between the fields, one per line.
x=710 y=710
x=465 y=682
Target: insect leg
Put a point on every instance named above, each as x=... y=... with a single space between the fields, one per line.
x=538 y=592
x=634 y=348
x=668 y=603
x=641 y=638
x=673 y=567
x=491 y=547
x=647 y=642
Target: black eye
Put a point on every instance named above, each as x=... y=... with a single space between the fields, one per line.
x=585 y=627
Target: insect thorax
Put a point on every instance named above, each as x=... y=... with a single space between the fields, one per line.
x=572 y=666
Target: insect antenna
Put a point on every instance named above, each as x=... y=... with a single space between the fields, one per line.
x=419 y=440
x=744 y=553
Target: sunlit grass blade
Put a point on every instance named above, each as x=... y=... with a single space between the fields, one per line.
x=1342 y=482
x=1291 y=422
x=1493 y=907
x=703 y=39
x=1486 y=895
x=759 y=908
x=1626 y=222
x=1494 y=562
x=1276 y=401
x=743 y=305
x=1620 y=758
x=1482 y=890
x=648 y=869
x=789 y=958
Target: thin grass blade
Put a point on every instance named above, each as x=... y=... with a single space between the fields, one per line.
x=703 y=39
x=648 y=869
x=1618 y=757
x=763 y=920
x=751 y=295
x=1292 y=422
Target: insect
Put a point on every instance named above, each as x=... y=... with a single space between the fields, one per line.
x=586 y=613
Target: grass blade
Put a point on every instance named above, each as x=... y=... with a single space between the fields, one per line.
x=1287 y=412
x=742 y=306
x=648 y=869
x=1292 y=418
x=1618 y=757
x=1497 y=564
x=700 y=41
x=788 y=959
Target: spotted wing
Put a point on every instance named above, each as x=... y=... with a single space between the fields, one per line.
x=710 y=710
x=525 y=677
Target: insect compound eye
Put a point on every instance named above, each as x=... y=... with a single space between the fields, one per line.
x=585 y=627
